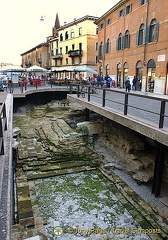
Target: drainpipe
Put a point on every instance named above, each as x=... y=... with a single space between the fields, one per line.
x=104 y=52
x=144 y=58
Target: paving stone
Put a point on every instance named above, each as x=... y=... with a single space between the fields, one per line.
x=164 y=201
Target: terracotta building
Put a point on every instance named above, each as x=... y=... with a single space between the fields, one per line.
x=73 y=45
x=133 y=41
x=36 y=56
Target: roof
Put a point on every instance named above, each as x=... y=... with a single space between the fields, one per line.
x=34 y=48
x=113 y=9
x=78 y=21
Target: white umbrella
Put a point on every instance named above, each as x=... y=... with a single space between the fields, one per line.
x=85 y=69
x=36 y=68
x=12 y=68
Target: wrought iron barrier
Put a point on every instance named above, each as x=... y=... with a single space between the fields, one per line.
x=3 y=126
x=136 y=104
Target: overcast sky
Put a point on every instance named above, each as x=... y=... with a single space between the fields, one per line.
x=21 y=28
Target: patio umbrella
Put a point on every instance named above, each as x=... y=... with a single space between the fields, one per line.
x=12 y=68
x=85 y=69
x=36 y=68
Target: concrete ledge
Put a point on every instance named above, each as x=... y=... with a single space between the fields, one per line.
x=147 y=128
x=6 y=197
x=39 y=90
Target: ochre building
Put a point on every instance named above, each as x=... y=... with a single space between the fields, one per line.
x=133 y=41
x=73 y=45
x=38 y=55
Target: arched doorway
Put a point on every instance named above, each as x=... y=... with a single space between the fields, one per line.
x=125 y=74
x=119 y=75
x=151 y=68
x=139 y=73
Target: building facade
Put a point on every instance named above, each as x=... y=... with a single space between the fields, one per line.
x=36 y=56
x=73 y=45
x=133 y=41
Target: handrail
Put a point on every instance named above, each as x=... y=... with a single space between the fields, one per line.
x=125 y=101
x=3 y=126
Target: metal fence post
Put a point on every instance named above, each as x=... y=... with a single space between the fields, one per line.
x=78 y=90
x=104 y=98
x=88 y=94
x=70 y=89
x=126 y=104
x=162 y=112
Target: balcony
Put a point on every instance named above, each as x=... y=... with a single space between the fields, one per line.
x=75 y=53
x=28 y=64
x=57 y=56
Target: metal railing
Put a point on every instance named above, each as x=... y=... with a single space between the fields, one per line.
x=135 y=104
x=3 y=126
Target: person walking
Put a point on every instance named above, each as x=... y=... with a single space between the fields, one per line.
x=127 y=85
x=135 y=83
x=109 y=82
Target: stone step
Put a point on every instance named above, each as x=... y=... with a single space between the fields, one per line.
x=59 y=172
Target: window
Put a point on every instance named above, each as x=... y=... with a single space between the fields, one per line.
x=72 y=33
x=66 y=61
x=101 y=26
x=80 y=31
x=66 y=49
x=129 y=9
x=80 y=60
x=61 y=37
x=96 y=46
x=127 y=39
x=119 y=42
x=80 y=46
x=73 y=47
x=60 y=50
x=108 y=22
x=141 y=2
x=153 y=31
x=100 y=53
x=108 y=46
x=66 y=35
x=141 y=34
x=148 y=34
x=125 y=11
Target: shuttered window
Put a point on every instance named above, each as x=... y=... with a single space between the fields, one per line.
x=148 y=34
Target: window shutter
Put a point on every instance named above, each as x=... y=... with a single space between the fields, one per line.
x=137 y=38
x=124 y=11
x=122 y=42
x=128 y=41
x=117 y=44
x=157 y=32
x=131 y=7
x=147 y=34
x=119 y=14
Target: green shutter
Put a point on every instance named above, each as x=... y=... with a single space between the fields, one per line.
x=123 y=42
x=147 y=34
x=137 y=38
x=117 y=44
x=157 y=32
